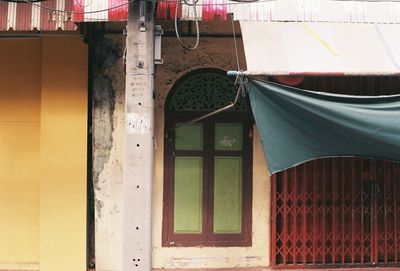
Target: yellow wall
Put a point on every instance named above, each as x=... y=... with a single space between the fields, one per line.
x=19 y=149
x=63 y=138
x=43 y=120
x=256 y=255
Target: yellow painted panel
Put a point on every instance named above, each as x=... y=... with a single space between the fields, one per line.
x=19 y=191
x=19 y=149
x=63 y=155
x=20 y=79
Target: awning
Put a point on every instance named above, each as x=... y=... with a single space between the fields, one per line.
x=296 y=126
x=48 y=15
x=53 y=15
x=291 y=48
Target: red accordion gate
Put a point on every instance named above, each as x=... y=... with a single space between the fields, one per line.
x=336 y=212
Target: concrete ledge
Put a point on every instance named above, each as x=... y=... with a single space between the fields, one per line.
x=278 y=269
x=216 y=269
x=34 y=266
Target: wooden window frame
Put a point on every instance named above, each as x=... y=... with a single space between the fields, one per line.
x=207 y=237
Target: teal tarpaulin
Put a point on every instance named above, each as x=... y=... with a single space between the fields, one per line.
x=297 y=125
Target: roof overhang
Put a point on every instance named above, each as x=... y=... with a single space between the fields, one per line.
x=343 y=49
x=51 y=15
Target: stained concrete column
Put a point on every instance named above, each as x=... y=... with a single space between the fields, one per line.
x=139 y=130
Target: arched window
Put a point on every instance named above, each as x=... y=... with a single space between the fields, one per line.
x=207 y=165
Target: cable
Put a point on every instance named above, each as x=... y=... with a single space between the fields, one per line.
x=231 y=3
x=388 y=1
x=74 y=12
x=197 y=27
x=83 y=6
x=235 y=2
x=241 y=2
x=236 y=49
x=129 y=1
x=245 y=1
x=240 y=80
x=186 y=3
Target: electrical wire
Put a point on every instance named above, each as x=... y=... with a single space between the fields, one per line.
x=197 y=26
x=240 y=83
x=231 y=3
x=389 y=1
x=19 y=1
x=34 y=3
x=83 y=6
x=129 y=1
x=188 y=4
x=75 y=12
x=242 y=2
x=245 y=1
x=236 y=49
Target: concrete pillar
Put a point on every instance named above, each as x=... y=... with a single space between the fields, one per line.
x=139 y=130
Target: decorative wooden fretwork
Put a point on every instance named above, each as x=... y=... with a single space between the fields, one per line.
x=205 y=91
x=337 y=212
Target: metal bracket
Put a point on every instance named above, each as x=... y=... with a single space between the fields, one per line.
x=142 y=16
x=158 y=32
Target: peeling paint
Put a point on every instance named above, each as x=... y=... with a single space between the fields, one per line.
x=107 y=54
x=107 y=140
x=108 y=146
x=99 y=206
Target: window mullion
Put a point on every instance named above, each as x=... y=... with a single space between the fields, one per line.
x=209 y=157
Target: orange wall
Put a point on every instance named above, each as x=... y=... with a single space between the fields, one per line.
x=43 y=120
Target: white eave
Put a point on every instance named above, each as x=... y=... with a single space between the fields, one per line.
x=385 y=12
x=301 y=48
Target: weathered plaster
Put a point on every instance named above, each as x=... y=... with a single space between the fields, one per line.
x=108 y=145
x=213 y=53
x=106 y=55
x=107 y=129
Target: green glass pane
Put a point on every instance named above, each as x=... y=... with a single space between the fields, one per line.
x=227 y=194
x=188 y=191
x=228 y=136
x=189 y=137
